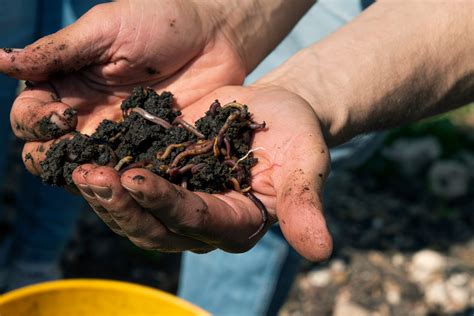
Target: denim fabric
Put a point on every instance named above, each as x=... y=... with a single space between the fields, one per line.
x=227 y=280
x=258 y=281
x=46 y=215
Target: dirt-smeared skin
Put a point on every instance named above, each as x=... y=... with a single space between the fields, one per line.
x=48 y=128
x=211 y=170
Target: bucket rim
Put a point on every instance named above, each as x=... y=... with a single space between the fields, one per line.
x=102 y=284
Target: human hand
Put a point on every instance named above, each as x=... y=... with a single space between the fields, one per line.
x=293 y=163
x=93 y=64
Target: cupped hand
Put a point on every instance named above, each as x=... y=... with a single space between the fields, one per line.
x=79 y=75
x=293 y=162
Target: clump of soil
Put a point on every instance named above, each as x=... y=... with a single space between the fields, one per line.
x=213 y=156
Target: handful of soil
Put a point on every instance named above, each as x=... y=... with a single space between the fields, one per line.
x=213 y=156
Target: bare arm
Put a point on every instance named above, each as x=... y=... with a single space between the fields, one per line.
x=397 y=62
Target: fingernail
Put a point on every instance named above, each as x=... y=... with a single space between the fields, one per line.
x=71 y=117
x=59 y=122
x=137 y=195
x=50 y=127
x=104 y=193
x=85 y=190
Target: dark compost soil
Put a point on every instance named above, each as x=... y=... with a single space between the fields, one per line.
x=214 y=156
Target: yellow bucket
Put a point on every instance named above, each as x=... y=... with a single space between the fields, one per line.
x=93 y=298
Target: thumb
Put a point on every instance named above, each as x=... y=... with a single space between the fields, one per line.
x=82 y=43
x=299 y=197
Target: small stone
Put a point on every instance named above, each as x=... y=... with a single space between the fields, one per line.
x=344 y=307
x=458 y=279
x=449 y=179
x=319 y=278
x=338 y=271
x=458 y=292
x=392 y=292
x=337 y=265
x=398 y=260
x=436 y=295
x=426 y=265
x=304 y=284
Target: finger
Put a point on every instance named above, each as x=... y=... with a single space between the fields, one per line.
x=38 y=114
x=141 y=227
x=80 y=175
x=299 y=186
x=80 y=44
x=225 y=222
x=35 y=152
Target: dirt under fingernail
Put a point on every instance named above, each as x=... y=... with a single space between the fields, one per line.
x=48 y=127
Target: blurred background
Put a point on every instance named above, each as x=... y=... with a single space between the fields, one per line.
x=403 y=227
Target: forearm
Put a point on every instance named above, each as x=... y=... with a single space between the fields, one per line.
x=255 y=27
x=397 y=62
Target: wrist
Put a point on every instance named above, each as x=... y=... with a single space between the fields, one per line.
x=308 y=76
x=253 y=27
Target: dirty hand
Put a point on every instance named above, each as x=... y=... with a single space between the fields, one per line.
x=293 y=162
x=91 y=65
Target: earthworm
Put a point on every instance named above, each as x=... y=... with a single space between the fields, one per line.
x=246 y=189
x=235 y=184
x=214 y=106
x=175 y=171
x=215 y=147
x=263 y=211
x=152 y=118
x=194 y=151
x=230 y=162
x=254 y=125
x=122 y=162
x=238 y=106
x=190 y=128
x=196 y=168
x=233 y=165
x=227 y=147
x=170 y=148
x=232 y=117
x=114 y=138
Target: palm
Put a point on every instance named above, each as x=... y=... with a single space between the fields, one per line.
x=165 y=54
x=293 y=160
x=293 y=130
x=159 y=44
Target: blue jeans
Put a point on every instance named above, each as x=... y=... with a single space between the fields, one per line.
x=46 y=216
x=258 y=281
